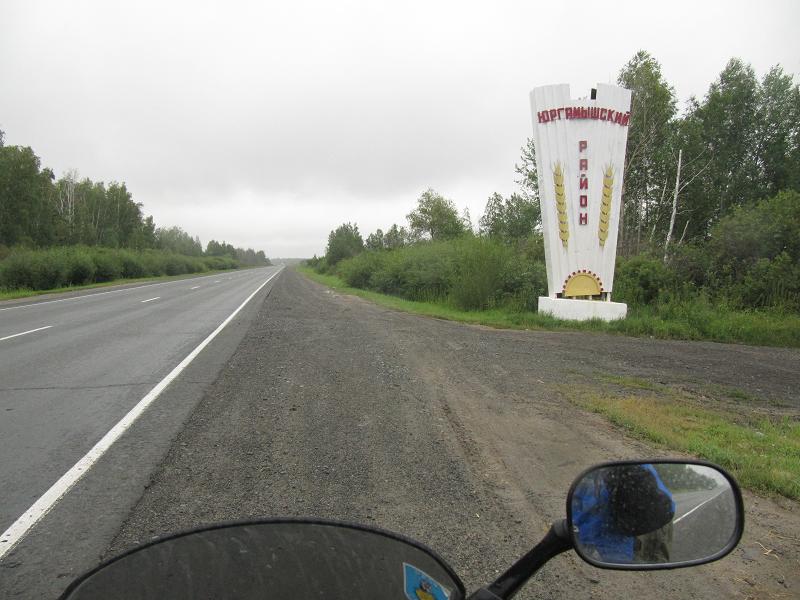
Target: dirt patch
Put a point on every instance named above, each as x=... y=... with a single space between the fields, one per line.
x=452 y=434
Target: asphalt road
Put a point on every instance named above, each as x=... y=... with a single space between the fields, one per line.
x=70 y=368
x=310 y=403
x=704 y=523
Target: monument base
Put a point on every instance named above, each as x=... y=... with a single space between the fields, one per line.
x=582 y=310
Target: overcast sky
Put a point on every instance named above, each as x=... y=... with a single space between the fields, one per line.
x=268 y=124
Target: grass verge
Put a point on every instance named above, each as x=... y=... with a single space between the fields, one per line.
x=698 y=321
x=761 y=451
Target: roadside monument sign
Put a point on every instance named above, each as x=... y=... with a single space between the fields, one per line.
x=580 y=159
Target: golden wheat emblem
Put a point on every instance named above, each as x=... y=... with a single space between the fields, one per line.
x=561 y=204
x=605 y=205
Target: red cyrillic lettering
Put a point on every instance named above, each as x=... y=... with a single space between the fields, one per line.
x=603 y=113
x=626 y=118
x=594 y=112
x=584 y=112
x=569 y=112
x=560 y=110
x=584 y=185
x=618 y=118
x=584 y=200
x=543 y=117
x=582 y=145
x=553 y=114
x=584 y=164
x=584 y=219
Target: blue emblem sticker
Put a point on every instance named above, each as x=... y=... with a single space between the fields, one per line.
x=421 y=586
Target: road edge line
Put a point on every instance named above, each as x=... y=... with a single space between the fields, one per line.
x=47 y=501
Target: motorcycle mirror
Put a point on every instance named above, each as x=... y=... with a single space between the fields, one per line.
x=661 y=514
x=276 y=558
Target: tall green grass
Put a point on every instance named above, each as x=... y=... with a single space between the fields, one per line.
x=691 y=319
x=60 y=267
x=469 y=273
x=763 y=454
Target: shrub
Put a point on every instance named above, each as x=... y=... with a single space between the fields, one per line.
x=132 y=265
x=80 y=267
x=640 y=279
x=480 y=264
x=108 y=265
x=359 y=270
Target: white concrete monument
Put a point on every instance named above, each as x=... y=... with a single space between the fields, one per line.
x=580 y=159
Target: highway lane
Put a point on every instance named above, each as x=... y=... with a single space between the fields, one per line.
x=70 y=369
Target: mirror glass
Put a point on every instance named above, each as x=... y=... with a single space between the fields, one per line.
x=653 y=514
x=297 y=560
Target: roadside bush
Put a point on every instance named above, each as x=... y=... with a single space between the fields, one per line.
x=219 y=263
x=480 y=266
x=34 y=270
x=359 y=270
x=107 y=265
x=522 y=282
x=80 y=267
x=132 y=265
x=423 y=271
x=640 y=280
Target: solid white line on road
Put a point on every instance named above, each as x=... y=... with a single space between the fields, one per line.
x=151 y=299
x=684 y=515
x=50 y=498
x=138 y=287
x=8 y=337
x=195 y=287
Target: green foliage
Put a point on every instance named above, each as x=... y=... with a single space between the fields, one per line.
x=107 y=266
x=375 y=241
x=26 y=216
x=479 y=269
x=396 y=237
x=640 y=279
x=436 y=218
x=80 y=265
x=36 y=212
x=470 y=273
x=653 y=106
x=175 y=239
x=513 y=219
x=215 y=248
x=343 y=242
x=528 y=180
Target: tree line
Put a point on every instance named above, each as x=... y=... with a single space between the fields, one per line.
x=710 y=209
x=39 y=211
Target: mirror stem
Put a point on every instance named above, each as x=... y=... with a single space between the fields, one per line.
x=509 y=583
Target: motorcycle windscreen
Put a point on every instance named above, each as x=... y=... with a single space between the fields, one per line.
x=294 y=559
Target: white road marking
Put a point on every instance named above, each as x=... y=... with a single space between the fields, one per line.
x=195 y=287
x=684 y=515
x=151 y=299
x=84 y=296
x=8 y=337
x=50 y=498
x=217 y=281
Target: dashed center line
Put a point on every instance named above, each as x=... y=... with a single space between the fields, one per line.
x=151 y=299
x=195 y=287
x=8 y=337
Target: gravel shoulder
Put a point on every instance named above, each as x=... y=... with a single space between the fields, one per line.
x=453 y=434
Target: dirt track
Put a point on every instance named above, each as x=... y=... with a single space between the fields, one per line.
x=452 y=434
